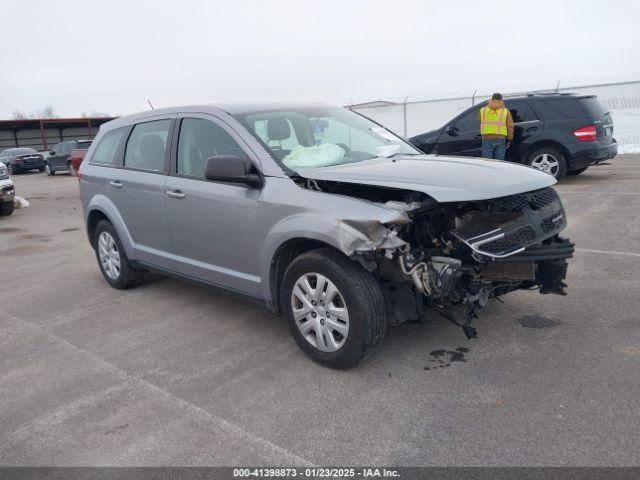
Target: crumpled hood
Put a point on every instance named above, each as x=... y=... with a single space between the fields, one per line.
x=444 y=178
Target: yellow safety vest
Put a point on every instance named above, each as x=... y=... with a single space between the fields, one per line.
x=493 y=122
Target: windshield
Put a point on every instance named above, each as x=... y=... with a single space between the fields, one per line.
x=318 y=137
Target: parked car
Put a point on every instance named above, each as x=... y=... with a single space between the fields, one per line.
x=21 y=159
x=60 y=156
x=7 y=191
x=556 y=133
x=77 y=155
x=321 y=213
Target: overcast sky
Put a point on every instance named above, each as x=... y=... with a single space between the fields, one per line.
x=111 y=56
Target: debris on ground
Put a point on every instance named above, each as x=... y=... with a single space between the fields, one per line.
x=20 y=202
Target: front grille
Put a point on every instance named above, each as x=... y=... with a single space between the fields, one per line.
x=510 y=242
x=513 y=223
x=522 y=201
x=512 y=203
x=544 y=197
x=552 y=222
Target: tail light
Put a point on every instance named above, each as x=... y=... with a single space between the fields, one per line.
x=587 y=133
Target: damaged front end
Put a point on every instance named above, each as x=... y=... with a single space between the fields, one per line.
x=455 y=256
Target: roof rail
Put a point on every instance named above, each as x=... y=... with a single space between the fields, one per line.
x=541 y=94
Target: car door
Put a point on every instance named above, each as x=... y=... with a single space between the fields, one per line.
x=58 y=159
x=65 y=155
x=54 y=156
x=526 y=124
x=137 y=188
x=462 y=137
x=216 y=229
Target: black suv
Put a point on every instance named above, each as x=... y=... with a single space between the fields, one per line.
x=60 y=156
x=557 y=133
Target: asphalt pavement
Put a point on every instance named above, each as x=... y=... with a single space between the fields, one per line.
x=174 y=374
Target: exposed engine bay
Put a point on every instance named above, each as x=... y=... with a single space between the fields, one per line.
x=454 y=257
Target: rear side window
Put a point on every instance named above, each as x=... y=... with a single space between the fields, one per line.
x=560 y=108
x=200 y=139
x=147 y=145
x=594 y=108
x=105 y=151
x=521 y=111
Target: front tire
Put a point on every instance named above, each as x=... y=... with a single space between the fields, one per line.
x=334 y=307
x=549 y=160
x=7 y=208
x=113 y=261
x=41 y=169
x=48 y=170
x=72 y=171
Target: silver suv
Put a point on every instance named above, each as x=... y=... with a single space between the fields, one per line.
x=323 y=214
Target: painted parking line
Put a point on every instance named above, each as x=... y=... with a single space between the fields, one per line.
x=590 y=192
x=608 y=252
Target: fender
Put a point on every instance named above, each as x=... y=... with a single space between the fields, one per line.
x=346 y=235
x=106 y=206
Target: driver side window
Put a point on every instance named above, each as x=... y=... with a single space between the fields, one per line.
x=200 y=139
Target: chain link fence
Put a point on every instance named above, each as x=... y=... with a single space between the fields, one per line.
x=411 y=117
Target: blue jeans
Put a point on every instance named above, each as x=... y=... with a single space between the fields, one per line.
x=494 y=148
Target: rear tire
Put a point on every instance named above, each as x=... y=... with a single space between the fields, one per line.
x=48 y=170
x=549 y=160
x=359 y=295
x=577 y=172
x=7 y=208
x=112 y=259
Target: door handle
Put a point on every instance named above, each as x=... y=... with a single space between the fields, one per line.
x=531 y=129
x=176 y=194
x=115 y=183
x=477 y=137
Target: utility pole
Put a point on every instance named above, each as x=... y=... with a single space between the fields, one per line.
x=404 y=113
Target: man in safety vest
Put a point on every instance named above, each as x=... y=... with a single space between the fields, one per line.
x=496 y=128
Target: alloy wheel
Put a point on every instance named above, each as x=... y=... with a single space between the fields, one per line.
x=320 y=312
x=546 y=162
x=109 y=255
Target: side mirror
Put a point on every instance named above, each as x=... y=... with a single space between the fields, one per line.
x=451 y=130
x=51 y=152
x=232 y=169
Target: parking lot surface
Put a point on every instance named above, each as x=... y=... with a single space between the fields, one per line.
x=174 y=374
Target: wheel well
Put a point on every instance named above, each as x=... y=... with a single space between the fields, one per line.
x=281 y=260
x=549 y=143
x=94 y=217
